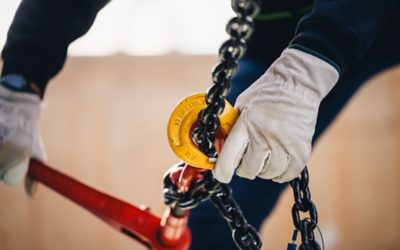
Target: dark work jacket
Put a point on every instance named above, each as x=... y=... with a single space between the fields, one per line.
x=338 y=31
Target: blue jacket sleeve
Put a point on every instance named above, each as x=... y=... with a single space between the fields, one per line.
x=40 y=34
x=341 y=31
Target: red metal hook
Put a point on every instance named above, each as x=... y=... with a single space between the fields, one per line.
x=137 y=223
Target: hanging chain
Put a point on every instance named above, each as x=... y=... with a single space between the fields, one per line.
x=240 y=29
x=244 y=235
x=304 y=204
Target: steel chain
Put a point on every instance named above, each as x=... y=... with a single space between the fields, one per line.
x=201 y=190
x=239 y=28
x=244 y=235
x=304 y=204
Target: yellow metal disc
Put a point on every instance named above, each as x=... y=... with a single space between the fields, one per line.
x=180 y=124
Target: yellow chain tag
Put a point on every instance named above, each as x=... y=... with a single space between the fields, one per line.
x=181 y=123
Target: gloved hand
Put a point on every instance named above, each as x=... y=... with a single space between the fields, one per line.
x=19 y=135
x=272 y=136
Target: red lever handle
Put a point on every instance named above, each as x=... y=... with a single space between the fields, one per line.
x=139 y=224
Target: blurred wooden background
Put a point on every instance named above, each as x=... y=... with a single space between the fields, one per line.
x=104 y=122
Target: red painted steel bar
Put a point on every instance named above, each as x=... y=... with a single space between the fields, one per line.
x=139 y=224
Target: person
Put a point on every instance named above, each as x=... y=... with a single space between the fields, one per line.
x=305 y=61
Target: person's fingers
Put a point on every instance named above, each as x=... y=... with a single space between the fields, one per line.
x=296 y=165
x=253 y=162
x=277 y=164
x=14 y=175
x=30 y=186
x=232 y=152
x=293 y=171
x=38 y=151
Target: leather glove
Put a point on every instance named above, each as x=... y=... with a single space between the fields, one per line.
x=272 y=136
x=20 y=138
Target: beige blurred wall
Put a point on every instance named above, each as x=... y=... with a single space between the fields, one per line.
x=104 y=122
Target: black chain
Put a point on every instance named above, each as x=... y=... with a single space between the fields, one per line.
x=239 y=28
x=244 y=235
x=304 y=204
x=200 y=190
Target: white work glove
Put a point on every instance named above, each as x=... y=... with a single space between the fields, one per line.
x=19 y=135
x=272 y=136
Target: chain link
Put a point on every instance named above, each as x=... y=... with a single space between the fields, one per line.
x=304 y=204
